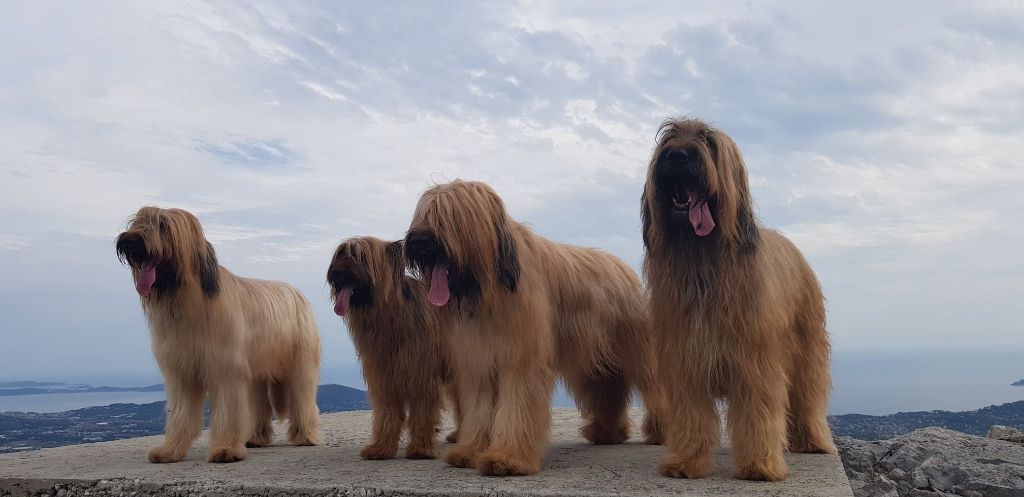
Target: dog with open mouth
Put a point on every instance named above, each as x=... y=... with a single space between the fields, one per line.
x=525 y=310
x=401 y=342
x=250 y=346
x=738 y=313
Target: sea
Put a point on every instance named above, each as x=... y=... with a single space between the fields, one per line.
x=56 y=402
x=864 y=382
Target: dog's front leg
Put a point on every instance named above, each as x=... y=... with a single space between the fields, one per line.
x=388 y=418
x=230 y=418
x=757 y=422
x=184 y=421
x=521 y=423
x=691 y=421
x=476 y=392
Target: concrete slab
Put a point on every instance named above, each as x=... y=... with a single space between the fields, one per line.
x=572 y=468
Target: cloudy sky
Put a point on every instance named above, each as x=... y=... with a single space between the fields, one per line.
x=885 y=138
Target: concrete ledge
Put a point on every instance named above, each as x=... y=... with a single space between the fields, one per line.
x=572 y=467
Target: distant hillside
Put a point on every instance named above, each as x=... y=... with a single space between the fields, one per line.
x=23 y=384
x=21 y=431
x=338 y=398
x=976 y=422
x=65 y=388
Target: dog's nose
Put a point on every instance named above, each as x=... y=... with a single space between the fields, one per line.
x=677 y=155
x=333 y=276
x=418 y=243
x=131 y=243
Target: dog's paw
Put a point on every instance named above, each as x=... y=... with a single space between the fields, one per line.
x=377 y=452
x=162 y=454
x=769 y=469
x=674 y=466
x=304 y=438
x=226 y=454
x=263 y=437
x=652 y=431
x=460 y=457
x=602 y=435
x=420 y=451
x=812 y=447
x=501 y=464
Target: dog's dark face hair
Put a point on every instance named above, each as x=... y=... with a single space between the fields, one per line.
x=424 y=250
x=680 y=176
x=463 y=228
x=697 y=196
x=370 y=269
x=168 y=245
x=348 y=271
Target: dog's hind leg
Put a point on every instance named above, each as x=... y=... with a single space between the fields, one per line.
x=452 y=393
x=263 y=429
x=424 y=417
x=809 y=389
x=639 y=361
x=303 y=413
x=653 y=397
x=603 y=400
x=279 y=399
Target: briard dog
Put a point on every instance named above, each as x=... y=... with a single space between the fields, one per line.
x=401 y=344
x=738 y=313
x=251 y=346
x=523 y=310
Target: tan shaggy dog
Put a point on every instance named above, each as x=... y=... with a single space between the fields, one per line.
x=524 y=310
x=251 y=346
x=401 y=345
x=738 y=313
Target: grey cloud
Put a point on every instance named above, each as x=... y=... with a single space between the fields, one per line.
x=888 y=148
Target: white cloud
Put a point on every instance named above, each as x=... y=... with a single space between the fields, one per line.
x=887 y=147
x=12 y=242
x=326 y=92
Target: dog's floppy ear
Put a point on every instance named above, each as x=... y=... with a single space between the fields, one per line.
x=208 y=270
x=508 y=256
x=735 y=205
x=747 y=234
x=396 y=254
x=645 y=218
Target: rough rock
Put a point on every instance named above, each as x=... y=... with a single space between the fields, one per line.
x=1006 y=433
x=933 y=462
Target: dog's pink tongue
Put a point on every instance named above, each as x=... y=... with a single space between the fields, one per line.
x=341 y=302
x=144 y=280
x=439 y=293
x=700 y=217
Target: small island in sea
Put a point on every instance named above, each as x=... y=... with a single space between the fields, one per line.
x=1018 y=383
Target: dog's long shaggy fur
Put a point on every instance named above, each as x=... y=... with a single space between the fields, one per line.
x=401 y=344
x=251 y=346
x=523 y=310
x=738 y=313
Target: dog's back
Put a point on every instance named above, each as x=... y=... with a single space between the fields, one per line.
x=279 y=322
